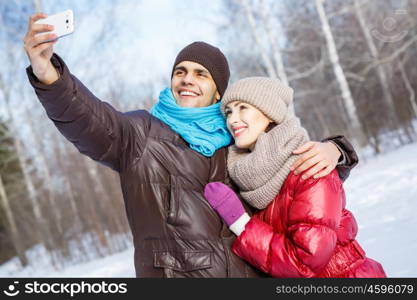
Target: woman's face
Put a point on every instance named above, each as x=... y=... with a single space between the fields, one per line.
x=245 y=122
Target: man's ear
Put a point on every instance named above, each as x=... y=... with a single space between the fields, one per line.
x=217 y=96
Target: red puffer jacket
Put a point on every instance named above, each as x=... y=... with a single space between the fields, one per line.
x=306 y=232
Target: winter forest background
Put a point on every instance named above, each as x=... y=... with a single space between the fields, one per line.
x=352 y=64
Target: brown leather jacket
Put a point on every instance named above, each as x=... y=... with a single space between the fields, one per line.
x=175 y=232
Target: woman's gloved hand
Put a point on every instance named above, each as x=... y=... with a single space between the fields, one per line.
x=227 y=204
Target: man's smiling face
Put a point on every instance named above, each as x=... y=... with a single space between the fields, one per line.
x=193 y=86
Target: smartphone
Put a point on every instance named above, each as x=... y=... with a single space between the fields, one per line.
x=63 y=23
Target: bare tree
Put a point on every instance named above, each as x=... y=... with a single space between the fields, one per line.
x=412 y=97
x=383 y=78
x=338 y=70
x=16 y=238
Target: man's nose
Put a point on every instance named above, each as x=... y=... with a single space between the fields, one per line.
x=188 y=78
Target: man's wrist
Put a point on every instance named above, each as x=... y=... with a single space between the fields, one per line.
x=50 y=76
x=342 y=157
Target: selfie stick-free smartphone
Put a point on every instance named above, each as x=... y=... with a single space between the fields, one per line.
x=63 y=23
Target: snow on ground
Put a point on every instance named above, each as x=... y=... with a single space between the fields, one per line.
x=83 y=264
x=381 y=192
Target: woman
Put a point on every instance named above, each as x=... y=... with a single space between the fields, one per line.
x=303 y=228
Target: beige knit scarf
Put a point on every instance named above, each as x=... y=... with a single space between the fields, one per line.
x=261 y=173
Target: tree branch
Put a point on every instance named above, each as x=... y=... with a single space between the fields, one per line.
x=388 y=58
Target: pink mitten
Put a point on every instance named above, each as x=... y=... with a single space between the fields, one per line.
x=224 y=201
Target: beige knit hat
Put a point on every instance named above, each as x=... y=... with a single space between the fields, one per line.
x=269 y=95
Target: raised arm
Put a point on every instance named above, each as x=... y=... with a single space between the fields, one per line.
x=93 y=126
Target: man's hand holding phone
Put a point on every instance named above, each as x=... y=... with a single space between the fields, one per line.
x=43 y=32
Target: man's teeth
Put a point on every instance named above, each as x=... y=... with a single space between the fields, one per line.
x=186 y=93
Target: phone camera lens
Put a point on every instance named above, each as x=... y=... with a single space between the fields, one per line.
x=67 y=21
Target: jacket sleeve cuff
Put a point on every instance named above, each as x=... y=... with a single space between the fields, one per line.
x=351 y=156
x=350 y=153
x=239 y=225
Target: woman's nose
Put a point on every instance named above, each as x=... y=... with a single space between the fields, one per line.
x=232 y=118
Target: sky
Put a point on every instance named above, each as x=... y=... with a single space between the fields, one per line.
x=145 y=36
x=148 y=34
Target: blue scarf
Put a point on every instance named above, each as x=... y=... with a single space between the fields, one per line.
x=204 y=128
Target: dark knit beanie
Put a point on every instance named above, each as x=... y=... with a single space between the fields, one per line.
x=211 y=58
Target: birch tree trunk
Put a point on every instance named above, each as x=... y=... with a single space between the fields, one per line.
x=7 y=82
x=256 y=35
x=61 y=155
x=382 y=76
x=38 y=5
x=92 y=201
x=272 y=38
x=409 y=87
x=17 y=241
x=274 y=65
x=40 y=220
x=47 y=178
x=338 y=70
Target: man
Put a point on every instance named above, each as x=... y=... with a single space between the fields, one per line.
x=164 y=158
